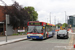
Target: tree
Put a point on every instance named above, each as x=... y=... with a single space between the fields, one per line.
x=33 y=14
x=58 y=26
x=64 y=25
x=18 y=16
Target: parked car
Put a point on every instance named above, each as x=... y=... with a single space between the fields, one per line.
x=62 y=34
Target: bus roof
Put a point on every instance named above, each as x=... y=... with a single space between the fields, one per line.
x=42 y=22
x=50 y=24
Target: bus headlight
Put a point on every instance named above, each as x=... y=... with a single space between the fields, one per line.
x=28 y=36
x=40 y=36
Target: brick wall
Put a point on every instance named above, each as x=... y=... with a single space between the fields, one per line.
x=2 y=16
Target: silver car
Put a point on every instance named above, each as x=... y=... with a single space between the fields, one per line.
x=62 y=34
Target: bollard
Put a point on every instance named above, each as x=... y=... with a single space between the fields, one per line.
x=74 y=45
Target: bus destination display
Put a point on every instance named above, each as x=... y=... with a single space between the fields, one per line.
x=35 y=24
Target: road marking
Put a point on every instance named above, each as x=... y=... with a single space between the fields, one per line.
x=64 y=47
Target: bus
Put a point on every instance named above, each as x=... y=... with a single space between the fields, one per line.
x=40 y=30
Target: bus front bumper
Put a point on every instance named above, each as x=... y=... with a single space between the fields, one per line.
x=35 y=37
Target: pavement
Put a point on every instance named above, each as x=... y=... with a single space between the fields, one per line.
x=11 y=39
x=73 y=43
x=3 y=38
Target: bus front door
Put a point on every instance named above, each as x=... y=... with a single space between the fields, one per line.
x=44 y=31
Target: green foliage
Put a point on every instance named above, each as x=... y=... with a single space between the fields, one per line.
x=64 y=25
x=15 y=34
x=58 y=26
x=19 y=16
x=32 y=12
x=19 y=33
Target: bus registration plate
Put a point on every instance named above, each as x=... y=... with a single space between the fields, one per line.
x=34 y=34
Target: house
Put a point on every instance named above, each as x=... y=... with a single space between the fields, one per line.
x=3 y=22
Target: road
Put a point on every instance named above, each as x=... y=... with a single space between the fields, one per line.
x=49 y=44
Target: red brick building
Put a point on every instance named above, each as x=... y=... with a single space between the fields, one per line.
x=3 y=19
x=3 y=11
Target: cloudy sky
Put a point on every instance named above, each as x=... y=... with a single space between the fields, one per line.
x=44 y=7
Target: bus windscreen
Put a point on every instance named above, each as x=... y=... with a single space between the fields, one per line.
x=35 y=29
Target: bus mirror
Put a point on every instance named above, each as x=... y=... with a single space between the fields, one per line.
x=43 y=27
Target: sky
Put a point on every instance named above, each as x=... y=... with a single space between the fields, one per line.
x=57 y=8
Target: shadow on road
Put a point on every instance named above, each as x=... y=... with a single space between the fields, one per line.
x=36 y=40
x=40 y=39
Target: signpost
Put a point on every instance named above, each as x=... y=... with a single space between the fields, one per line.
x=21 y=30
x=6 y=25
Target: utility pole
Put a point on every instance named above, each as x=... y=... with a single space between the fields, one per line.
x=58 y=20
x=55 y=20
x=47 y=20
x=50 y=17
x=67 y=19
x=65 y=16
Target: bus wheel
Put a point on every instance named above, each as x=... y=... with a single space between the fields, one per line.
x=52 y=34
x=33 y=39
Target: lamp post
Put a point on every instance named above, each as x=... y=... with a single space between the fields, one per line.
x=47 y=20
x=50 y=17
